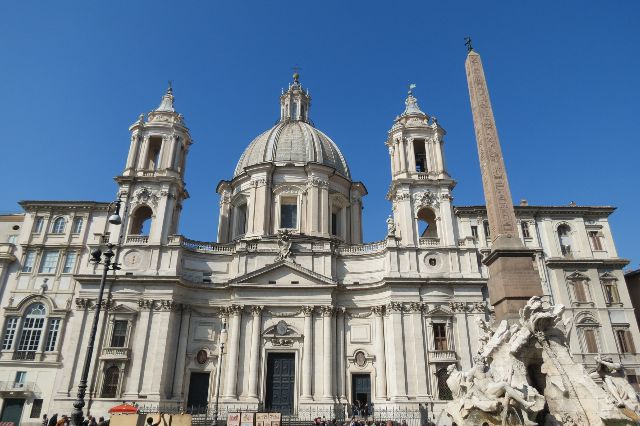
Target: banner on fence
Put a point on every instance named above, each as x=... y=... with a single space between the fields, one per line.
x=275 y=419
x=246 y=419
x=233 y=419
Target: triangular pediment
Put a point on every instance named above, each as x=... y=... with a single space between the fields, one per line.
x=283 y=272
x=608 y=276
x=439 y=310
x=577 y=276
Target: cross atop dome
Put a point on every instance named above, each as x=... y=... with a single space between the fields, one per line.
x=295 y=102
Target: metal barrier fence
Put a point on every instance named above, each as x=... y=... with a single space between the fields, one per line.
x=341 y=413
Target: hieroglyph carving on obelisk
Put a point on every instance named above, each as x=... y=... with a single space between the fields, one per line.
x=502 y=219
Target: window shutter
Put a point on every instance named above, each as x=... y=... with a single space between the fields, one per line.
x=631 y=347
x=590 y=340
x=579 y=290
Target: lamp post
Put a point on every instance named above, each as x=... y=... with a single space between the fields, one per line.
x=221 y=342
x=99 y=258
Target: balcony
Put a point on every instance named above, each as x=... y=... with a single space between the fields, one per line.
x=442 y=356
x=18 y=388
x=137 y=239
x=24 y=355
x=6 y=251
x=428 y=242
x=115 y=353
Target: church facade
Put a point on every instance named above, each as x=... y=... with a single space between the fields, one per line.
x=314 y=316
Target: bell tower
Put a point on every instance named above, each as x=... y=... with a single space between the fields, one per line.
x=152 y=184
x=420 y=189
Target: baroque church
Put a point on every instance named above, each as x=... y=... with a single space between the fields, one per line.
x=313 y=316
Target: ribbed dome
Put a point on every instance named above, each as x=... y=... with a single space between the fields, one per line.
x=295 y=142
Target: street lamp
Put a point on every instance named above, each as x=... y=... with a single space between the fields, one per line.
x=221 y=342
x=99 y=258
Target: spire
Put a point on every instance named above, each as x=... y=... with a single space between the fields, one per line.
x=295 y=102
x=411 y=103
x=166 y=105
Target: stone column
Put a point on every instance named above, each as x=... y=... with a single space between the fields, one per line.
x=324 y=202
x=381 y=369
x=307 y=352
x=417 y=310
x=437 y=145
x=313 y=210
x=133 y=152
x=143 y=153
x=340 y=353
x=512 y=279
x=181 y=357
x=235 y=316
x=327 y=343
x=254 y=366
x=396 y=353
x=138 y=352
x=403 y=156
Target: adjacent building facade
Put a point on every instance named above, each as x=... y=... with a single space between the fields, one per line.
x=315 y=317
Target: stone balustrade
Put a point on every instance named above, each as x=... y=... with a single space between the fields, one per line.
x=205 y=247
x=137 y=239
x=442 y=356
x=115 y=353
x=360 y=249
x=428 y=241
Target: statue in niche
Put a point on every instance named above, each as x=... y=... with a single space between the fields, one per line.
x=284 y=245
x=391 y=227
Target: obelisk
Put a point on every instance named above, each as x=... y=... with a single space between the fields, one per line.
x=512 y=279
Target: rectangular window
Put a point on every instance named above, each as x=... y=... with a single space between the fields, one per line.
x=52 y=334
x=440 y=337
x=36 y=409
x=37 y=226
x=77 y=225
x=21 y=376
x=525 y=230
x=611 y=292
x=580 y=291
x=241 y=220
x=590 y=341
x=487 y=229
x=69 y=262
x=289 y=213
x=12 y=239
x=594 y=237
x=334 y=224
x=49 y=262
x=474 y=232
x=625 y=342
x=119 y=335
x=29 y=261
x=31 y=333
x=153 y=155
x=9 y=333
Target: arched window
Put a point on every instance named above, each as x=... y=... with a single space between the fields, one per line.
x=58 y=226
x=564 y=237
x=32 y=330
x=427 y=227
x=110 y=382
x=420 y=155
x=588 y=334
x=141 y=221
x=444 y=393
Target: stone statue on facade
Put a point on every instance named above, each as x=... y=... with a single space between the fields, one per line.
x=524 y=374
x=284 y=245
x=391 y=227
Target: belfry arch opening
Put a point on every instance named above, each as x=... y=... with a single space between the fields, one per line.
x=420 y=155
x=427 y=227
x=141 y=221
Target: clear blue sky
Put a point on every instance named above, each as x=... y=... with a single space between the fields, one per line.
x=562 y=75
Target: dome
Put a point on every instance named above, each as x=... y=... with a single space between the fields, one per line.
x=294 y=139
x=296 y=142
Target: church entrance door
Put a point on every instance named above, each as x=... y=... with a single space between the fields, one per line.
x=280 y=382
x=198 y=392
x=361 y=394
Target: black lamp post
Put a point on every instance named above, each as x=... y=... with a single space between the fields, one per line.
x=99 y=258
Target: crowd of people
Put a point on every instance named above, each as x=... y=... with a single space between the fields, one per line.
x=64 y=420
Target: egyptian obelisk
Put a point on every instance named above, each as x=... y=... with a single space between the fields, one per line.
x=512 y=279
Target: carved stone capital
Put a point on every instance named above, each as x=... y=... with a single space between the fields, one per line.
x=378 y=310
x=256 y=311
x=327 y=311
x=394 y=307
x=308 y=310
x=234 y=309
